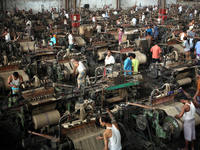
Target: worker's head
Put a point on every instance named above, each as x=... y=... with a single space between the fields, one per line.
x=148 y=27
x=192 y=21
x=73 y=60
x=130 y=56
x=16 y=75
x=103 y=121
x=70 y=32
x=109 y=53
x=193 y=30
x=184 y=101
x=133 y=55
x=51 y=35
x=156 y=43
x=154 y=25
x=185 y=38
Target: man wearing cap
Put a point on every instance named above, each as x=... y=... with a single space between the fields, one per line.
x=128 y=64
x=156 y=53
x=14 y=81
x=78 y=65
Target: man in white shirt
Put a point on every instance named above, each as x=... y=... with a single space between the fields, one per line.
x=109 y=60
x=71 y=41
x=180 y=9
x=143 y=17
x=186 y=47
x=67 y=15
x=134 y=20
x=98 y=28
x=28 y=22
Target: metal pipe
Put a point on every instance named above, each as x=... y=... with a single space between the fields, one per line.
x=139 y=105
x=44 y=136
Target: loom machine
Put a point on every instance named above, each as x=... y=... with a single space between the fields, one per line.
x=152 y=118
x=174 y=69
x=51 y=118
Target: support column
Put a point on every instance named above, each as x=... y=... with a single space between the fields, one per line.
x=117 y=3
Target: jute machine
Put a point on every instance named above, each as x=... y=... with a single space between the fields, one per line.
x=152 y=118
x=174 y=69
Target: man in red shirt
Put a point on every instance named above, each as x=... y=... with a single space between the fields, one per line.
x=156 y=53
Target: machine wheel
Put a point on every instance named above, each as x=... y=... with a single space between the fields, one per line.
x=153 y=70
x=172 y=126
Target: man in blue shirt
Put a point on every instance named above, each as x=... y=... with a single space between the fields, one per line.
x=156 y=32
x=150 y=31
x=197 y=50
x=128 y=64
x=52 y=40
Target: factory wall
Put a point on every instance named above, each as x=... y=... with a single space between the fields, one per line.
x=35 y=5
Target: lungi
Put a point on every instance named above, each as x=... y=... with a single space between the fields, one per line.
x=81 y=78
x=189 y=129
x=198 y=57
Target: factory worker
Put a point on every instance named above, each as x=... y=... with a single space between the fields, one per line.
x=180 y=9
x=52 y=16
x=98 y=28
x=109 y=60
x=186 y=47
x=52 y=40
x=71 y=41
x=149 y=39
x=78 y=65
x=7 y=35
x=188 y=114
x=111 y=136
x=134 y=21
x=197 y=94
x=182 y=35
x=128 y=64
x=156 y=53
x=149 y=30
x=28 y=29
x=147 y=9
x=197 y=51
x=135 y=63
x=143 y=17
x=118 y=22
x=191 y=25
x=120 y=31
x=93 y=19
x=29 y=22
x=155 y=32
x=192 y=35
x=14 y=81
